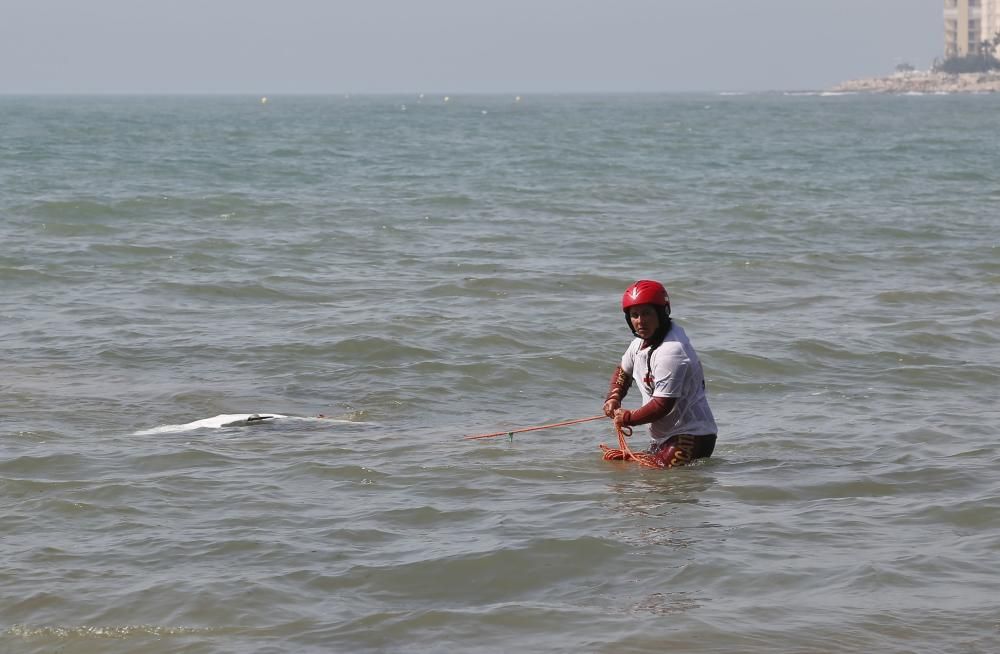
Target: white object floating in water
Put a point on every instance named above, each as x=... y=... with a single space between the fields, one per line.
x=517 y=98
x=446 y=98
x=263 y=100
x=231 y=420
x=485 y=112
x=215 y=422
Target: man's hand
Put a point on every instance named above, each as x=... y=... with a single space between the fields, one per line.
x=620 y=417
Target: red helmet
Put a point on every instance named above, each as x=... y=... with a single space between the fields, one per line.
x=646 y=291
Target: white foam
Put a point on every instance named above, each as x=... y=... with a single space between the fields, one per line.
x=226 y=420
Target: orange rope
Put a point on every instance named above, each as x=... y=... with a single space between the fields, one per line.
x=518 y=431
x=624 y=453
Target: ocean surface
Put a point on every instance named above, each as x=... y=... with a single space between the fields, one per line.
x=418 y=269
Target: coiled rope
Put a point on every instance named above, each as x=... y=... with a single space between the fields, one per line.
x=625 y=453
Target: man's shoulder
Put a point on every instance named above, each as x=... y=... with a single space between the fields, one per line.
x=672 y=348
x=633 y=346
x=676 y=332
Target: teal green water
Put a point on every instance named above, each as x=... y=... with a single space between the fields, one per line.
x=419 y=270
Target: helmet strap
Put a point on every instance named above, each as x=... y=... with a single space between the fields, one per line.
x=666 y=322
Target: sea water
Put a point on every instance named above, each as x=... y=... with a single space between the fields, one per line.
x=417 y=269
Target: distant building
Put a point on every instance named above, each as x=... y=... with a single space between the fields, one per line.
x=968 y=24
x=991 y=22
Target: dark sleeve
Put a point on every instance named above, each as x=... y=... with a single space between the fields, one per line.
x=651 y=411
x=620 y=382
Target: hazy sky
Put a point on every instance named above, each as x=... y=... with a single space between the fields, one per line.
x=456 y=46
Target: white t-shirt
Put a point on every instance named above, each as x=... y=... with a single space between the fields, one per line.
x=676 y=373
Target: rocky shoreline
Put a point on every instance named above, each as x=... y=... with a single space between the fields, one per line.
x=924 y=82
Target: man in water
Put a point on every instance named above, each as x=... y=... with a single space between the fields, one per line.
x=664 y=365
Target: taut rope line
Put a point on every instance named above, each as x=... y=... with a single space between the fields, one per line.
x=623 y=453
x=524 y=429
